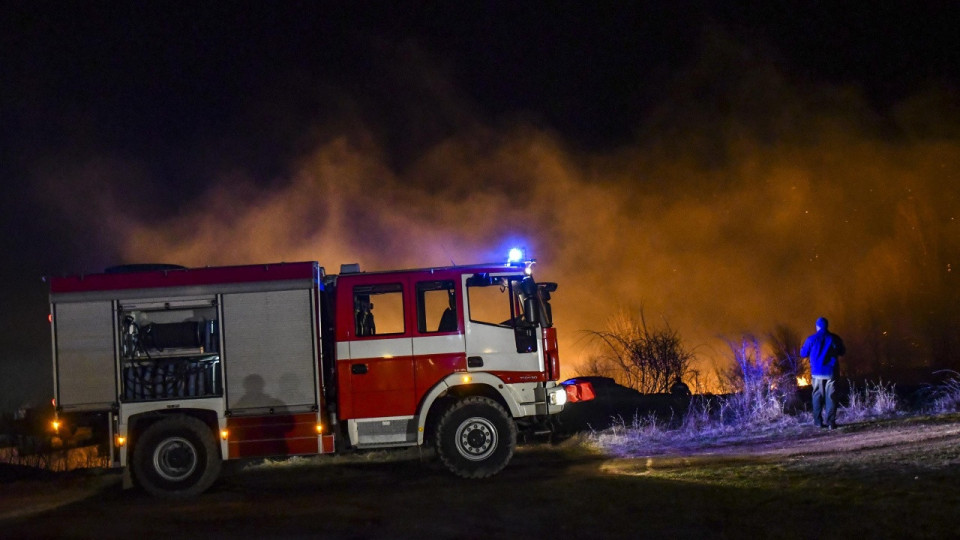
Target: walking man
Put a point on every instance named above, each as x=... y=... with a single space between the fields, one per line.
x=824 y=349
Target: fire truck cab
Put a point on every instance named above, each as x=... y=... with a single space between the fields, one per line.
x=180 y=369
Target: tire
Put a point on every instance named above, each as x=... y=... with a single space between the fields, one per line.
x=176 y=457
x=475 y=437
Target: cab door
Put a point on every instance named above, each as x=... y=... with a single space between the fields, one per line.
x=438 y=344
x=498 y=340
x=377 y=373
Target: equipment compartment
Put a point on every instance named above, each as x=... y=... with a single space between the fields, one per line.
x=166 y=378
x=169 y=350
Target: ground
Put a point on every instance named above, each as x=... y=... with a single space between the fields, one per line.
x=889 y=478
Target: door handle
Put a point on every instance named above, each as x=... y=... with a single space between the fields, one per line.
x=358 y=369
x=474 y=361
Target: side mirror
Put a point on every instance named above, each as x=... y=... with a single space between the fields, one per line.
x=531 y=312
x=528 y=286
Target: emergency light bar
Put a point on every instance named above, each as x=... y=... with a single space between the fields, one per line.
x=519 y=255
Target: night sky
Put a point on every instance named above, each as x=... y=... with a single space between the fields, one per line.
x=726 y=168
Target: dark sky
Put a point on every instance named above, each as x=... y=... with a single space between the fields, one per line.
x=179 y=132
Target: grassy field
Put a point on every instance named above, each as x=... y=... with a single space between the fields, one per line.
x=832 y=485
x=891 y=478
x=731 y=470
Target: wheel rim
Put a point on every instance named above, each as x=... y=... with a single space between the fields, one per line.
x=476 y=438
x=175 y=459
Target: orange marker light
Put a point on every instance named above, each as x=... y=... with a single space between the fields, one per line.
x=223 y=434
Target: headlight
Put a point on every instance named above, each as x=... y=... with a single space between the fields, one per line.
x=558 y=396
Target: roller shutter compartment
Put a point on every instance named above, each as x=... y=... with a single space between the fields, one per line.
x=269 y=354
x=86 y=373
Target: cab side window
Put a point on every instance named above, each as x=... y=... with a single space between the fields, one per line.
x=492 y=300
x=437 y=307
x=378 y=309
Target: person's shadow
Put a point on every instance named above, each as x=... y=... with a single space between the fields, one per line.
x=270 y=434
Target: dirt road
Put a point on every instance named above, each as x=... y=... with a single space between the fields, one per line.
x=887 y=479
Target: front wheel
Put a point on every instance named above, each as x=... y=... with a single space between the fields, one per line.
x=475 y=437
x=176 y=457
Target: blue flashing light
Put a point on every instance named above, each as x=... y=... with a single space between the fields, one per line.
x=515 y=255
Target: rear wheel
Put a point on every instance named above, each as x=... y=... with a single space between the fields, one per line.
x=475 y=437
x=176 y=457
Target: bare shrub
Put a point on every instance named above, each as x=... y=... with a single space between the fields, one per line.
x=756 y=390
x=787 y=366
x=646 y=359
x=786 y=363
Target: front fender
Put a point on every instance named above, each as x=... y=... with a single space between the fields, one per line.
x=463 y=379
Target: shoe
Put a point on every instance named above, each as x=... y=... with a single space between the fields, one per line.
x=832 y=427
x=818 y=424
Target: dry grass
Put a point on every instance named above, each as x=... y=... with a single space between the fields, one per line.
x=945 y=397
x=874 y=400
x=85 y=457
x=757 y=415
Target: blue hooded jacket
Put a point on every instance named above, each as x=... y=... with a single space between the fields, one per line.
x=823 y=348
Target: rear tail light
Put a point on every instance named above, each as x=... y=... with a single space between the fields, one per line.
x=578 y=391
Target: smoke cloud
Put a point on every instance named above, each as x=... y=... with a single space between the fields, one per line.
x=747 y=200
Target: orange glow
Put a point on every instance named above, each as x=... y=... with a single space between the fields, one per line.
x=319 y=428
x=223 y=434
x=802 y=381
x=121 y=440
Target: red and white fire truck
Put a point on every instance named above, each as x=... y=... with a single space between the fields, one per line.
x=182 y=368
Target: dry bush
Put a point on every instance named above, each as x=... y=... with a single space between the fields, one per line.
x=649 y=360
x=757 y=388
x=786 y=361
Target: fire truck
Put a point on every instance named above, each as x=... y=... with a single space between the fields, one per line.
x=180 y=369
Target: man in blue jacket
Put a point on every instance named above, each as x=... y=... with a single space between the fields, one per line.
x=824 y=349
